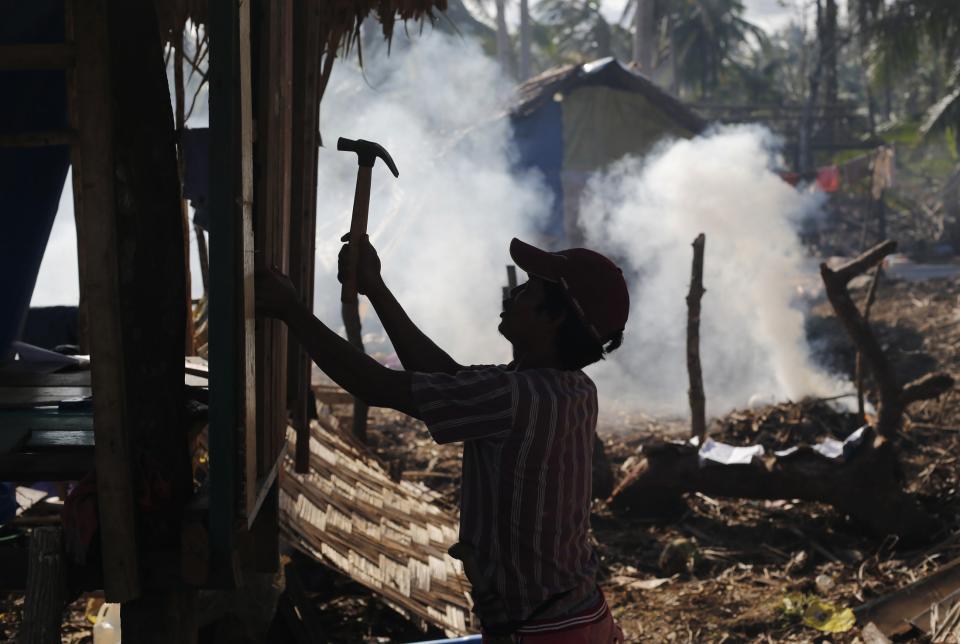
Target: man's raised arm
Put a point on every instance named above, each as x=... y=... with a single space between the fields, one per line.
x=359 y=374
x=416 y=351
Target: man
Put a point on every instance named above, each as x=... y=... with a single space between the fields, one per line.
x=527 y=430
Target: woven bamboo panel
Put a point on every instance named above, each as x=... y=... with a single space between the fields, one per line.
x=390 y=536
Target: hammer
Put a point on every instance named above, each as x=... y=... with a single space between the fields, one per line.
x=367 y=153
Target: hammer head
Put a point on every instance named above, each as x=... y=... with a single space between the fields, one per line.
x=367 y=153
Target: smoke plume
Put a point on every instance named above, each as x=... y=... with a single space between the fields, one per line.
x=646 y=213
x=443 y=228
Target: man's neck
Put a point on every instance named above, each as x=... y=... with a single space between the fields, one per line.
x=536 y=360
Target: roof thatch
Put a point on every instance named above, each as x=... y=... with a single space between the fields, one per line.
x=392 y=537
x=341 y=19
x=532 y=94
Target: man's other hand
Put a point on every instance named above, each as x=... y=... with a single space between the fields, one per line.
x=368 y=264
x=275 y=294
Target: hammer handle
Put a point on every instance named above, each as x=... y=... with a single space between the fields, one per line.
x=358 y=229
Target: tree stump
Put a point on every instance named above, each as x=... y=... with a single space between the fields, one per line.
x=46 y=588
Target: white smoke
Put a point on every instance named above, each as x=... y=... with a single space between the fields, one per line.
x=647 y=213
x=443 y=228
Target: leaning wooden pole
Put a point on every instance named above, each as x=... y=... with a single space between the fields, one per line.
x=698 y=414
x=868 y=304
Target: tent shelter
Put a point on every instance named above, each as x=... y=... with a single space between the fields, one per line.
x=572 y=121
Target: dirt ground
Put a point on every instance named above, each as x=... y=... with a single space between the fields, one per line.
x=750 y=555
x=743 y=557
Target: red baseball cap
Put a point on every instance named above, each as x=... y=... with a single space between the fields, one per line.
x=594 y=284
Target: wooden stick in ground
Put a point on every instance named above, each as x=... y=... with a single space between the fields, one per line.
x=46 y=588
x=867 y=305
x=698 y=419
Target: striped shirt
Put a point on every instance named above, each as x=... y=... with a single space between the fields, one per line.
x=525 y=498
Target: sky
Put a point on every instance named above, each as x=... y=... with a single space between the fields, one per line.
x=771 y=15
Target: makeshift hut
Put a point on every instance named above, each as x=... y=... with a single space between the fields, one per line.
x=84 y=83
x=571 y=121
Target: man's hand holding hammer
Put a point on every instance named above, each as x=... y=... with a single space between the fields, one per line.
x=416 y=351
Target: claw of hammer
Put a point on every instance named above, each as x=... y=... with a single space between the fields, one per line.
x=367 y=153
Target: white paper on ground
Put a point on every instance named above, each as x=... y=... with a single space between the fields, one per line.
x=724 y=454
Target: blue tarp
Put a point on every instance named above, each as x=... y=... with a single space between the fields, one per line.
x=31 y=179
x=573 y=122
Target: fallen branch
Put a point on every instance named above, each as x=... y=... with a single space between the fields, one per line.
x=866 y=487
x=893 y=398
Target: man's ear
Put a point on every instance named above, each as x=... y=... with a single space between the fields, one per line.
x=557 y=318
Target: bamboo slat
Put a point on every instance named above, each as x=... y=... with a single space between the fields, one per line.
x=392 y=537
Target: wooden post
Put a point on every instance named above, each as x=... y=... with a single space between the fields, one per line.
x=231 y=318
x=307 y=77
x=97 y=239
x=272 y=160
x=180 y=114
x=698 y=416
x=151 y=296
x=46 y=588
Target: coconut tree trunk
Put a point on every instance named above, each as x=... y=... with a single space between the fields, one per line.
x=503 y=38
x=523 y=72
x=643 y=36
x=829 y=45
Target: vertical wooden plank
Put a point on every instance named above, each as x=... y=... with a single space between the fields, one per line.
x=74 y=120
x=180 y=115
x=93 y=168
x=308 y=50
x=272 y=214
x=249 y=312
x=231 y=318
x=152 y=292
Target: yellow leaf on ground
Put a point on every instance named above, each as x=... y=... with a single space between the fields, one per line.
x=827 y=617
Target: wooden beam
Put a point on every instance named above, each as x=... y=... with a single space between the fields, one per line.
x=38 y=139
x=28 y=56
x=307 y=75
x=181 y=118
x=231 y=317
x=58 y=465
x=73 y=115
x=272 y=159
x=93 y=168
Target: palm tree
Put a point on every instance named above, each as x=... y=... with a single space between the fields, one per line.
x=706 y=35
x=577 y=31
x=901 y=33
